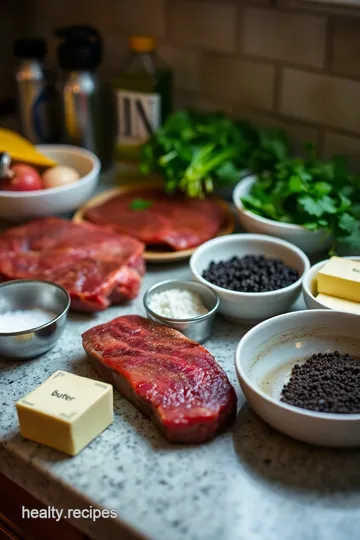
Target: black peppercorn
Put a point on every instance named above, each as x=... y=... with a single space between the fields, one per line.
x=252 y=273
x=328 y=382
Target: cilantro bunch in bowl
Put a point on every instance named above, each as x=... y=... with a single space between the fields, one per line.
x=312 y=193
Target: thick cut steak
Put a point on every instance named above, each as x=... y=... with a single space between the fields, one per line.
x=173 y=221
x=96 y=265
x=170 y=378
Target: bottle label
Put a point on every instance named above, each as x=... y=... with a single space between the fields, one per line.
x=138 y=115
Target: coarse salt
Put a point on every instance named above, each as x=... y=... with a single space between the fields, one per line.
x=177 y=304
x=24 y=319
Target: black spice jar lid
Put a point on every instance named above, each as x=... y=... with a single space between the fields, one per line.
x=30 y=48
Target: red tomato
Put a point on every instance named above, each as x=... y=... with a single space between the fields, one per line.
x=25 y=178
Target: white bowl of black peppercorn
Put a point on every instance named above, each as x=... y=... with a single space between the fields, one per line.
x=265 y=360
x=283 y=265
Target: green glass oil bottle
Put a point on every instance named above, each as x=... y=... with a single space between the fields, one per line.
x=143 y=98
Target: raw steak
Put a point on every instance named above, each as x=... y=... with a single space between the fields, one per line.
x=96 y=265
x=173 y=221
x=170 y=378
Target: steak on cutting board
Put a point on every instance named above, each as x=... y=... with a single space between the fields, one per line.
x=174 y=221
x=95 y=265
x=170 y=378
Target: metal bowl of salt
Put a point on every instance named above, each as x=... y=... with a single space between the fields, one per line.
x=197 y=328
x=32 y=317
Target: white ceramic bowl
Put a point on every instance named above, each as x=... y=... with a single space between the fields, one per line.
x=21 y=205
x=308 y=241
x=264 y=359
x=245 y=307
x=309 y=285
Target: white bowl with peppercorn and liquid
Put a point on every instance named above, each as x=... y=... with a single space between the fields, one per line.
x=265 y=360
x=308 y=241
x=250 y=307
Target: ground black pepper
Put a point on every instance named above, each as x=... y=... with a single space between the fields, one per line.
x=328 y=382
x=252 y=273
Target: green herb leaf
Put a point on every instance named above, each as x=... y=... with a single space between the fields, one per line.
x=140 y=204
x=311 y=205
x=322 y=188
x=347 y=222
x=296 y=184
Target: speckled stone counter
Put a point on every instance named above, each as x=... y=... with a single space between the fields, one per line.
x=250 y=483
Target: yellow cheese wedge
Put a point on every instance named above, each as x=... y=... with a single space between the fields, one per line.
x=21 y=149
x=340 y=278
x=339 y=303
x=66 y=412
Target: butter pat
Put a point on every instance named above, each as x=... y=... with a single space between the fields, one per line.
x=66 y=412
x=339 y=303
x=340 y=278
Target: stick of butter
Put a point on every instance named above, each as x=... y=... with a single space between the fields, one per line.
x=66 y=412
x=340 y=278
x=339 y=303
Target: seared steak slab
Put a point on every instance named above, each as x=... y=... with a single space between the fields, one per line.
x=173 y=380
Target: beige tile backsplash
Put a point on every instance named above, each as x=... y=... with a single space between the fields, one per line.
x=321 y=98
x=339 y=144
x=186 y=65
x=211 y=25
x=290 y=37
x=288 y=66
x=138 y=16
x=238 y=80
x=346 y=46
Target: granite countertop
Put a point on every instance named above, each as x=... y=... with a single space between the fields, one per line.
x=250 y=483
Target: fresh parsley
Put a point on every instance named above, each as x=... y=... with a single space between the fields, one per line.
x=140 y=204
x=310 y=192
x=198 y=152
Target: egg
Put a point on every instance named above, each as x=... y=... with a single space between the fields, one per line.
x=61 y=175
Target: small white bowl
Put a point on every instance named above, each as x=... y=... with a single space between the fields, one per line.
x=21 y=205
x=308 y=241
x=309 y=285
x=246 y=307
x=264 y=359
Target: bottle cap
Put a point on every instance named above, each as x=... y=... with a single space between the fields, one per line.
x=80 y=48
x=30 y=48
x=142 y=43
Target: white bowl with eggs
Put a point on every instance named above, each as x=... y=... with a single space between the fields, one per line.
x=265 y=357
x=250 y=307
x=22 y=205
x=308 y=241
x=309 y=285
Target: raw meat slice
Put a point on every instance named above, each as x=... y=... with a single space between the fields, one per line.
x=91 y=282
x=170 y=378
x=173 y=221
x=96 y=265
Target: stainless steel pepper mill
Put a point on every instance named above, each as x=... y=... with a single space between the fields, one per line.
x=82 y=94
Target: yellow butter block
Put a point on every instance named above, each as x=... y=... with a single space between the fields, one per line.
x=340 y=278
x=339 y=303
x=66 y=412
